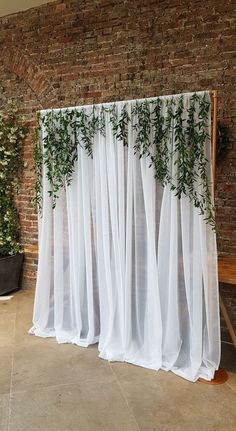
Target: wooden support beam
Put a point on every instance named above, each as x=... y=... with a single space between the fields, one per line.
x=224 y=311
x=214 y=96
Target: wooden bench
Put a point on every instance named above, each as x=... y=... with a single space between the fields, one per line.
x=227 y=274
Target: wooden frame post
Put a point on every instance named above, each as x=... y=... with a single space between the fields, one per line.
x=214 y=96
x=221 y=375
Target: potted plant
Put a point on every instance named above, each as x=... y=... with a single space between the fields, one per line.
x=12 y=134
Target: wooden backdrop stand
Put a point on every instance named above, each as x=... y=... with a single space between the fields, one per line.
x=221 y=375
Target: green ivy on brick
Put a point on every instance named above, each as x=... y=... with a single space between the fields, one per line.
x=12 y=134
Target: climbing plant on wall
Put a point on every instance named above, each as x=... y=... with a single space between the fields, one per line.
x=171 y=136
x=12 y=134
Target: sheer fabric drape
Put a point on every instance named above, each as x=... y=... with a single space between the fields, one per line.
x=125 y=263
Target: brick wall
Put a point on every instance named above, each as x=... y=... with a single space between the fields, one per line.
x=83 y=51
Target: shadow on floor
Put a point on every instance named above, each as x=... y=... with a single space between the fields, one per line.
x=228 y=357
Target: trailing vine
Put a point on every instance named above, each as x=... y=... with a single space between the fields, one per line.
x=205 y=202
x=162 y=128
x=143 y=128
x=181 y=159
x=171 y=136
x=102 y=122
x=120 y=125
x=192 y=152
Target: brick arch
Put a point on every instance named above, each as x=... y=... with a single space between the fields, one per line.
x=22 y=66
x=19 y=64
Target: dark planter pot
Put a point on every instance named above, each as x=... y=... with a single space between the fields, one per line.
x=10 y=269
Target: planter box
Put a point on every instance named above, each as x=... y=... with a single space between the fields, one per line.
x=10 y=269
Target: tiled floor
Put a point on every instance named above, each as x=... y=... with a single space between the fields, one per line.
x=50 y=387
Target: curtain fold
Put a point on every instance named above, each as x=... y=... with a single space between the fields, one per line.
x=125 y=263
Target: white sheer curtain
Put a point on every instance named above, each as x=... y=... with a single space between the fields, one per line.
x=125 y=263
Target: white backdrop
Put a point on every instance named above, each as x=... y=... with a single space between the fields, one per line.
x=125 y=263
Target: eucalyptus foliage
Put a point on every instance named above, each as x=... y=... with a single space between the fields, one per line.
x=173 y=139
x=12 y=135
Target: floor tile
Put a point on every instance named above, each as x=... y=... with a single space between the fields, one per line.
x=5 y=369
x=87 y=407
x=164 y=402
x=25 y=301
x=22 y=325
x=48 y=363
x=66 y=387
x=232 y=381
x=4 y=412
x=40 y=362
x=7 y=329
x=8 y=306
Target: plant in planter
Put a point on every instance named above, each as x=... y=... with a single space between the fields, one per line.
x=12 y=134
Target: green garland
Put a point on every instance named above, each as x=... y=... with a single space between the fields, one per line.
x=154 y=130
